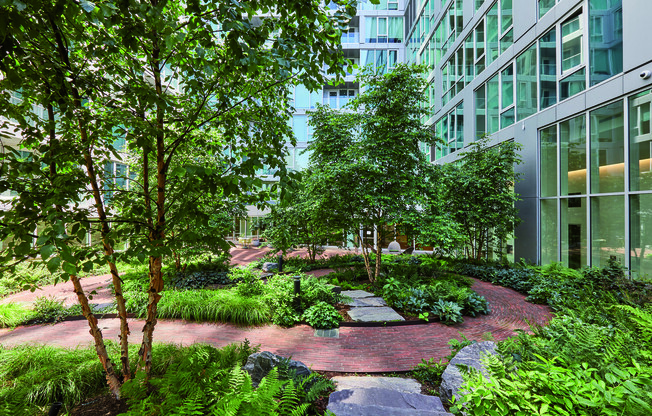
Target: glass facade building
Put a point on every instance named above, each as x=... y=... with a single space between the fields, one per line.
x=564 y=78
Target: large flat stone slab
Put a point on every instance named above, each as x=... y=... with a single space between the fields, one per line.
x=348 y=409
x=374 y=314
x=366 y=302
x=356 y=294
x=403 y=385
x=385 y=398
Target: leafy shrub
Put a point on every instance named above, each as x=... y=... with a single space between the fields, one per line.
x=285 y=315
x=48 y=309
x=547 y=388
x=429 y=371
x=316 y=290
x=448 y=312
x=321 y=315
x=475 y=304
x=199 y=279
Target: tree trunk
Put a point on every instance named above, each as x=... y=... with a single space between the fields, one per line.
x=111 y=377
x=157 y=233
x=379 y=252
x=367 y=260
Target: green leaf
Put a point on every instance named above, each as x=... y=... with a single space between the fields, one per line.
x=69 y=268
x=178 y=172
x=47 y=250
x=53 y=264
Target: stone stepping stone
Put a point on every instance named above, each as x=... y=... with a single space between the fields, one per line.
x=374 y=314
x=378 y=401
x=367 y=302
x=357 y=294
x=403 y=385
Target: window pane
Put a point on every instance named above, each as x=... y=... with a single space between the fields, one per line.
x=492 y=34
x=468 y=58
x=395 y=30
x=573 y=156
x=545 y=6
x=605 y=41
x=526 y=83
x=371 y=29
x=507 y=118
x=572 y=84
x=507 y=84
x=573 y=232
x=300 y=127
x=549 y=224
x=571 y=50
x=548 y=170
x=301 y=97
x=640 y=142
x=459 y=127
x=505 y=15
x=641 y=235
x=608 y=149
x=548 y=69
x=480 y=112
x=507 y=41
x=607 y=230
x=492 y=105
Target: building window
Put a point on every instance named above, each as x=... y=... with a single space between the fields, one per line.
x=607 y=149
x=383 y=29
x=640 y=142
x=571 y=43
x=605 y=40
x=526 y=83
x=507 y=111
x=377 y=59
x=591 y=201
x=548 y=69
x=545 y=6
x=338 y=98
x=305 y=99
x=450 y=129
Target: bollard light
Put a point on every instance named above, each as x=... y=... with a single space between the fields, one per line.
x=280 y=263
x=54 y=409
x=297 y=292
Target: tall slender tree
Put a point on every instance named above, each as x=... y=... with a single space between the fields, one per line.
x=367 y=165
x=153 y=73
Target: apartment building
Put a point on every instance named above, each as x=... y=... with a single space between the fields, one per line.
x=569 y=80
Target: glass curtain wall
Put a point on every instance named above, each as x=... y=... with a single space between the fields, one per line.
x=588 y=216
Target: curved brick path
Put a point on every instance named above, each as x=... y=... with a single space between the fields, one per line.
x=377 y=349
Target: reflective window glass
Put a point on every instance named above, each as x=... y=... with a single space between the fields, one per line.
x=640 y=142
x=572 y=142
x=608 y=149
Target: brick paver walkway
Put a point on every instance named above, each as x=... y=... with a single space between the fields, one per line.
x=377 y=349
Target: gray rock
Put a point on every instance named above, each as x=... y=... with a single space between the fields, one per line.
x=355 y=294
x=261 y=363
x=469 y=356
x=366 y=302
x=374 y=314
x=349 y=409
x=336 y=289
x=268 y=266
x=391 y=402
x=403 y=385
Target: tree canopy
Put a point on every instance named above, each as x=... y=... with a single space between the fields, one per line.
x=366 y=165
x=158 y=76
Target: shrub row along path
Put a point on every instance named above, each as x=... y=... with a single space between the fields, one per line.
x=357 y=349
